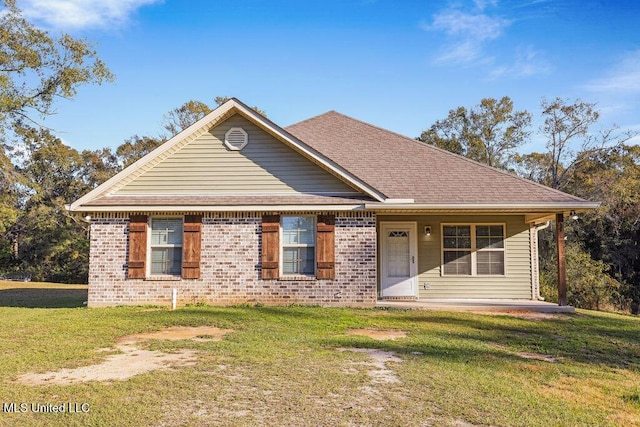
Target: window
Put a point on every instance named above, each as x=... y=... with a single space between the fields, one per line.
x=166 y=246
x=473 y=250
x=298 y=245
x=490 y=250
x=292 y=246
x=457 y=249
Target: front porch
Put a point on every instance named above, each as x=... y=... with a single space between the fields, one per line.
x=484 y=305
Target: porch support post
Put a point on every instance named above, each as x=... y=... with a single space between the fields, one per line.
x=562 y=269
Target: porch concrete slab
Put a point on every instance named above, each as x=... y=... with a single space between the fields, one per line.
x=488 y=305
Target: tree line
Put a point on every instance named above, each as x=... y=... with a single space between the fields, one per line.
x=39 y=174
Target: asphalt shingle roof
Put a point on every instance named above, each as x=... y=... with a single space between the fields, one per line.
x=404 y=168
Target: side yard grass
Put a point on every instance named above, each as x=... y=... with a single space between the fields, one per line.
x=300 y=366
x=41 y=295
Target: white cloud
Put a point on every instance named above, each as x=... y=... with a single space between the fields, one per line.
x=79 y=14
x=472 y=39
x=469 y=26
x=623 y=77
x=528 y=62
x=468 y=33
x=482 y=4
x=459 y=52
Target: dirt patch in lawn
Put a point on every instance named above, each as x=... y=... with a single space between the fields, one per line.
x=195 y=333
x=379 y=373
x=132 y=360
x=377 y=334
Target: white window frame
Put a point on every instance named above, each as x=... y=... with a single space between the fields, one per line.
x=150 y=247
x=299 y=245
x=474 y=250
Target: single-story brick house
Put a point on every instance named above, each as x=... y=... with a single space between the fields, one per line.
x=329 y=211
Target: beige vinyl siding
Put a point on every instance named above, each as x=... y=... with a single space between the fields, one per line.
x=515 y=284
x=265 y=165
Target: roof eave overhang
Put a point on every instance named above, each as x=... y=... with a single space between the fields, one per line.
x=533 y=211
x=221 y=208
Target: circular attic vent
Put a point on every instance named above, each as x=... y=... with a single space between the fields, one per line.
x=236 y=138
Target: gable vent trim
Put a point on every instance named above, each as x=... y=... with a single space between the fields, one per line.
x=236 y=139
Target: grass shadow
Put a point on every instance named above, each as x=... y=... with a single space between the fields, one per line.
x=43 y=297
x=583 y=338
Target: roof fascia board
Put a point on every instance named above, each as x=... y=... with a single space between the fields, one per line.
x=230 y=208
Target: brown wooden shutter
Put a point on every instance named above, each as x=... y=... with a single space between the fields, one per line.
x=325 y=246
x=137 y=247
x=270 y=246
x=191 y=246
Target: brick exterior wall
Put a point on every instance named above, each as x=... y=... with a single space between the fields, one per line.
x=230 y=266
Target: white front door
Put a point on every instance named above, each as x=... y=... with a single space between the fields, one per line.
x=399 y=263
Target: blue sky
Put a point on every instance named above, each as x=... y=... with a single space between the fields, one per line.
x=398 y=64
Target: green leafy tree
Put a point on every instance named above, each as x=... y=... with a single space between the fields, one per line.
x=11 y=194
x=135 y=148
x=180 y=118
x=488 y=133
x=599 y=166
x=48 y=242
x=35 y=68
x=612 y=232
x=602 y=242
x=592 y=287
x=570 y=141
x=97 y=167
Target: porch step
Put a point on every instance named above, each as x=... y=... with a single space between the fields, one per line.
x=486 y=305
x=399 y=298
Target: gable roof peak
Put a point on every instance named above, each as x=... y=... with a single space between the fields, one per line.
x=222 y=112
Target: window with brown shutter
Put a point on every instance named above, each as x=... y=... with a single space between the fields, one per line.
x=325 y=244
x=191 y=246
x=270 y=246
x=165 y=245
x=298 y=245
x=137 y=247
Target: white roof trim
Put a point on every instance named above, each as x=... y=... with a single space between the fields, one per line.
x=398 y=201
x=539 y=207
x=202 y=126
x=230 y=208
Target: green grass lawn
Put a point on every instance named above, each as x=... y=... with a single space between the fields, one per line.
x=281 y=366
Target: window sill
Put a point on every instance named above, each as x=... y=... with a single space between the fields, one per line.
x=163 y=278
x=297 y=278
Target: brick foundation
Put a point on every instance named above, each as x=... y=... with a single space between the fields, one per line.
x=230 y=266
